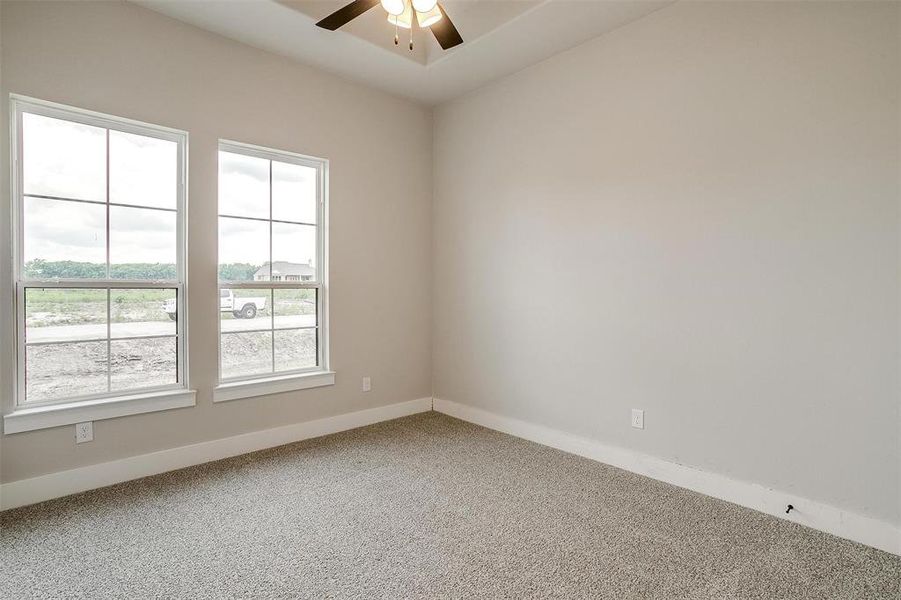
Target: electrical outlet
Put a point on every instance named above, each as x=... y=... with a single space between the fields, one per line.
x=637 y=418
x=367 y=384
x=84 y=432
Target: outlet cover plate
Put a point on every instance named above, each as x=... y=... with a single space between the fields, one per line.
x=637 y=418
x=84 y=432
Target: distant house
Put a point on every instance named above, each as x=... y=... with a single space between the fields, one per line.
x=284 y=271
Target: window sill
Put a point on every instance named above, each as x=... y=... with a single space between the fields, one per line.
x=262 y=387
x=43 y=417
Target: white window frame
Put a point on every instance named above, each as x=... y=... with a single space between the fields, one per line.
x=282 y=381
x=31 y=415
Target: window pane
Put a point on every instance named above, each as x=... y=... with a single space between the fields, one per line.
x=143 y=363
x=243 y=249
x=243 y=310
x=243 y=186
x=64 y=315
x=142 y=243
x=295 y=349
x=293 y=192
x=59 y=371
x=294 y=308
x=65 y=159
x=294 y=252
x=64 y=239
x=245 y=354
x=75 y=179
x=143 y=312
x=142 y=170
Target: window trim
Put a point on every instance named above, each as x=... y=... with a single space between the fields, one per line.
x=238 y=390
x=97 y=409
x=51 y=412
x=234 y=388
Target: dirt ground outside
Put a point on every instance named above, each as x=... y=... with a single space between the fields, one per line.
x=77 y=359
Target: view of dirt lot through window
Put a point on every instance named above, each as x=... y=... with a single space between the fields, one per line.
x=66 y=332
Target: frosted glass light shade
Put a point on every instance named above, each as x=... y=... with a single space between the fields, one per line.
x=404 y=19
x=424 y=6
x=393 y=7
x=428 y=18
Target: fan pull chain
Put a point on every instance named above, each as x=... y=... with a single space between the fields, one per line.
x=411 y=38
x=395 y=31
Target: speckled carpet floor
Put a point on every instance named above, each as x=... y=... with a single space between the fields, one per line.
x=421 y=507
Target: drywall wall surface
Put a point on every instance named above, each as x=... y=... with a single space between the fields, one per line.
x=121 y=59
x=696 y=215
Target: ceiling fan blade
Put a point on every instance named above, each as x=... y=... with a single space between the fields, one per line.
x=345 y=15
x=445 y=32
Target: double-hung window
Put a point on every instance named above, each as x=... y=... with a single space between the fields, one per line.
x=272 y=292
x=99 y=256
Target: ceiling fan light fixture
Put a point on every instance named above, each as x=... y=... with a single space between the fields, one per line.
x=404 y=19
x=442 y=29
x=394 y=7
x=424 y=7
x=431 y=17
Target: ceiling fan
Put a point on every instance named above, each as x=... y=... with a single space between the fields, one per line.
x=400 y=14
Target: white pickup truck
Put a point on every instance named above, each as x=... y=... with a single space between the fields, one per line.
x=241 y=308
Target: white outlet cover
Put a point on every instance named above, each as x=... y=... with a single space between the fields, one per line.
x=84 y=432
x=637 y=418
x=367 y=384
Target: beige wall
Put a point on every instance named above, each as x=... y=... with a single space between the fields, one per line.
x=124 y=60
x=697 y=215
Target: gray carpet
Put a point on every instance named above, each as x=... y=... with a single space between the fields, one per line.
x=421 y=507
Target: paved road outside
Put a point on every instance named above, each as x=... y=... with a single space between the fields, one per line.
x=69 y=333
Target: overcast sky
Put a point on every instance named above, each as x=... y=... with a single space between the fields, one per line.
x=244 y=192
x=68 y=160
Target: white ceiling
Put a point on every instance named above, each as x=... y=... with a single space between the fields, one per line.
x=500 y=37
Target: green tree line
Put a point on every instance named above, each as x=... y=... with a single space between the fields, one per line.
x=68 y=269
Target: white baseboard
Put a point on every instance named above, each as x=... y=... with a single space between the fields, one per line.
x=810 y=513
x=54 y=485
